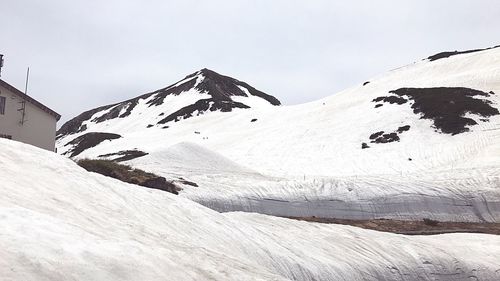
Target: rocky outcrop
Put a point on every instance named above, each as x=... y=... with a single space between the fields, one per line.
x=87 y=141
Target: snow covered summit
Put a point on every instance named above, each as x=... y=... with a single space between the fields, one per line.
x=198 y=93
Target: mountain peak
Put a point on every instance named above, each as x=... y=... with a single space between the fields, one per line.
x=222 y=87
x=224 y=94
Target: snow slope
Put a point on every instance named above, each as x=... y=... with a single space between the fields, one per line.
x=355 y=154
x=60 y=222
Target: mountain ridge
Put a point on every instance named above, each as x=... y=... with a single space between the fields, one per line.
x=219 y=87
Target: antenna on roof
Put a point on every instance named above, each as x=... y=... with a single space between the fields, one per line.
x=1 y=64
x=27 y=78
x=23 y=101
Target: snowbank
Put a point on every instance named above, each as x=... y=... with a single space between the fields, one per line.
x=60 y=222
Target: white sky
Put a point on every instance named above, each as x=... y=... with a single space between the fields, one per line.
x=85 y=54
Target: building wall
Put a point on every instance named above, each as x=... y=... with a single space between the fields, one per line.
x=39 y=128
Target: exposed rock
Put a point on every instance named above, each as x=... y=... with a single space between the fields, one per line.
x=75 y=125
x=380 y=137
x=447 y=107
x=170 y=90
x=115 y=111
x=386 y=138
x=200 y=107
x=403 y=129
x=376 y=135
x=87 y=141
x=443 y=55
x=220 y=87
x=391 y=99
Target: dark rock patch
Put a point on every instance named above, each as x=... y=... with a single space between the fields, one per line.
x=125 y=155
x=115 y=111
x=87 y=141
x=382 y=137
x=253 y=120
x=446 y=107
x=376 y=135
x=161 y=114
x=150 y=125
x=165 y=127
x=403 y=129
x=75 y=125
x=386 y=138
x=221 y=87
x=132 y=104
x=366 y=83
x=200 y=107
x=364 y=145
x=82 y=128
x=443 y=55
x=390 y=99
x=378 y=105
x=170 y=90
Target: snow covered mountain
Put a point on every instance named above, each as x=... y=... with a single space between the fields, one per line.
x=198 y=93
x=60 y=222
x=420 y=141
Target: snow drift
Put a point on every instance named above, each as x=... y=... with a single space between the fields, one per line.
x=60 y=222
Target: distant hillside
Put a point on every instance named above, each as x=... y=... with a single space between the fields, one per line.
x=420 y=141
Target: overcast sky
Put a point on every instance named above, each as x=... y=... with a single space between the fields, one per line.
x=83 y=54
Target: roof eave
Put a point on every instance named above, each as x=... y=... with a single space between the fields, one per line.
x=30 y=99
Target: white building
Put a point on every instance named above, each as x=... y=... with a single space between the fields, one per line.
x=24 y=119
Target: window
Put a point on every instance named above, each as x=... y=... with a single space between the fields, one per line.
x=2 y=105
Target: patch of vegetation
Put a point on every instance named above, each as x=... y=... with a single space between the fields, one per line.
x=430 y=222
x=124 y=155
x=186 y=182
x=416 y=227
x=128 y=174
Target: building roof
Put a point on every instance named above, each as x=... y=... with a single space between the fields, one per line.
x=30 y=99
